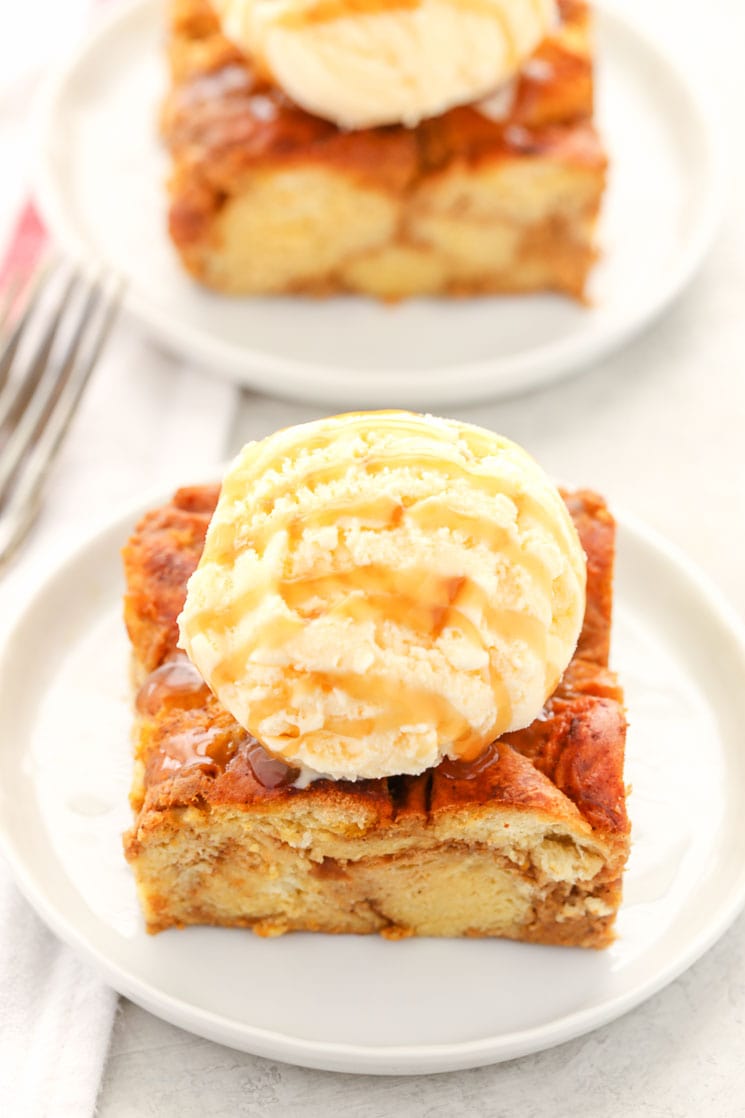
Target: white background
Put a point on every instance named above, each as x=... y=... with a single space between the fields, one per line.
x=660 y=429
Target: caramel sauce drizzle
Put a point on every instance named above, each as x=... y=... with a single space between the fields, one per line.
x=415 y=598
x=325 y=11
x=469 y=768
x=211 y=749
x=176 y=682
x=268 y=770
x=480 y=445
x=396 y=704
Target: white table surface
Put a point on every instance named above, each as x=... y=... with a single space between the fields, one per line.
x=660 y=429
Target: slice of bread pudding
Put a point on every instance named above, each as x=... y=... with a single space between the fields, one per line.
x=499 y=196
x=528 y=842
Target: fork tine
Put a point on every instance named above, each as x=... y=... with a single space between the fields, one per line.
x=39 y=394
x=15 y=398
x=23 y=504
x=11 y=344
x=44 y=450
x=8 y=302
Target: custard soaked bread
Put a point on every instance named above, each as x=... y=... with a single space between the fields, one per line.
x=499 y=195
x=527 y=841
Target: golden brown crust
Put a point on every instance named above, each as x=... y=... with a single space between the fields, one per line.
x=596 y=529
x=158 y=560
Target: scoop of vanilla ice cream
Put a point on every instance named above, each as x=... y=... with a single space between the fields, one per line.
x=380 y=590
x=362 y=63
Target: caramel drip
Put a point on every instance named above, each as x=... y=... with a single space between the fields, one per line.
x=263 y=456
x=469 y=768
x=412 y=598
x=325 y=11
x=176 y=682
x=212 y=749
x=208 y=748
x=224 y=544
x=396 y=706
x=429 y=517
x=378 y=512
x=268 y=770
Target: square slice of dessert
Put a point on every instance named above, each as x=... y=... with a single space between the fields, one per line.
x=528 y=841
x=501 y=195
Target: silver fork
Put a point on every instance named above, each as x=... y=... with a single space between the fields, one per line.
x=46 y=359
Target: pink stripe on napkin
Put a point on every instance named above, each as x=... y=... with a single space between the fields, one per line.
x=28 y=240
x=27 y=244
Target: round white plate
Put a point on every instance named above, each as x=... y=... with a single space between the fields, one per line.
x=362 y=1004
x=100 y=186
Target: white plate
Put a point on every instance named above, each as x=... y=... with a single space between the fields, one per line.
x=360 y=1003
x=100 y=186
